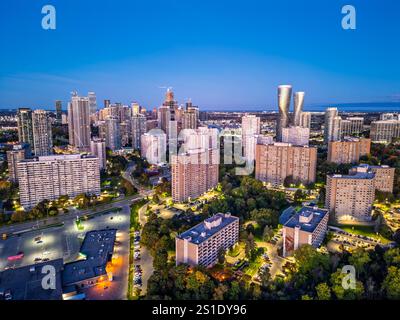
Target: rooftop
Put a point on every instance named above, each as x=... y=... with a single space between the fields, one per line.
x=208 y=228
x=97 y=247
x=357 y=175
x=307 y=218
x=25 y=283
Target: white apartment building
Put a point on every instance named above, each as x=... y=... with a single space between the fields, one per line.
x=50 y=177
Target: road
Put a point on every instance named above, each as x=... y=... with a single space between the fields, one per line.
x=32 y=225
x=146 y=261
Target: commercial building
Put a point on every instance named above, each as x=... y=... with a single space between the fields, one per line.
x=24 y=123
x=201 y=244
x=49 y=177
x=275 y=162
x=98 y=149
x=297 y=136
x=97 y=249
x=79 y=122
x=306 y=226
x=349 y=150
x=385 y=130
x=350 y=197
x=42 y=135
x=154 y=146
x=25 y=283
x=193 y=173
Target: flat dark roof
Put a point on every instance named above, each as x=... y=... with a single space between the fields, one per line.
x=317 y=216
x=25 y=283
x=98 y=247
x=200 y=232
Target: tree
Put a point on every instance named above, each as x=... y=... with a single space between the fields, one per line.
x=221 y=255
x=265 y=217
x=391 y=284
x=345 y=294
x=160 y=259
x=323 y=291
x=234 y=291
x=359 y=259
x=268 y=233
x=250 y=245
x=298 y=195
x=220 y=291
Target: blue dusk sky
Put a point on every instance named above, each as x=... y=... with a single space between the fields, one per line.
x=223 y=54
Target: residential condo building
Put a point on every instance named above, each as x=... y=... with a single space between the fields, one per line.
x=49 y=177
x=201 y=244
x=193 y=173
x=348 y=150
x=42 y=135
x=275 y=162
x=306 y=226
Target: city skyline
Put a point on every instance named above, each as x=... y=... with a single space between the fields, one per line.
x=233 y=61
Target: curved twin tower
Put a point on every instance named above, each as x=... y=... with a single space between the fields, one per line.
x=284 y=95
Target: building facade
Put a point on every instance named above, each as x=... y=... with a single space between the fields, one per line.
x=348 y=150
x=138 y=124
x=98 y=149
x=19 y=153
x=307 y=226
x=154 y=146
x=113 y=133
x=79 y=122
x=49 y=177
x=275 y=162
x=332 y=126
x=42 y=135
x=297 y=136
x=201 y=244
x=24 y=123
x=350 y=197
x=385 y=131
x=250 y=129
x=194 y=173
x=284 y=94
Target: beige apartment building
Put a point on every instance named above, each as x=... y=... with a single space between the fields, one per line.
x=49 y=177
x=384 y=131
x=275 y=162
x=18 y=153
x=193 y=173
x=350 y=197
x=348 y=150
x=383 y=176
x=201 y=244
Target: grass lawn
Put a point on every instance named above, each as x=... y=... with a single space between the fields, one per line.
x=364 y=231
x=252 y=269
x=234 y=252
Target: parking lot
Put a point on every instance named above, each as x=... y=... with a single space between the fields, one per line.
x=64 y=241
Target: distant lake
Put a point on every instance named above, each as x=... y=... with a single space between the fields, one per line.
x=348 y=107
